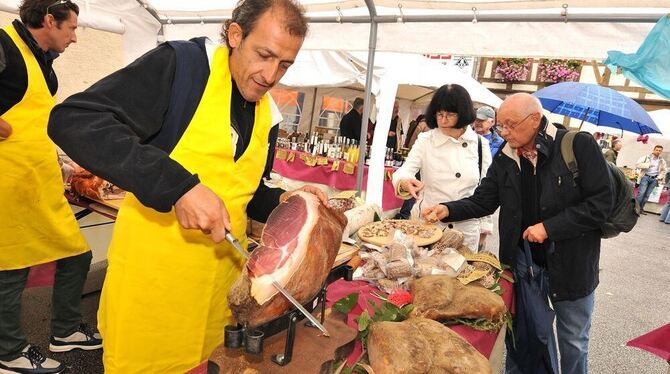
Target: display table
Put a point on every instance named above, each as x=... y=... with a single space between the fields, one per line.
x=489 y=344
x=43 y=275
x=310 y=351
x=295 y=168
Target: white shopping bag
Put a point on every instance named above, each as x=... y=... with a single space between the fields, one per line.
x=655 y=195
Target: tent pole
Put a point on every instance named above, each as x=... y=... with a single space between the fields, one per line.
x=311 y=115
x=150 y=10
x=650 y=17
x=368 y=94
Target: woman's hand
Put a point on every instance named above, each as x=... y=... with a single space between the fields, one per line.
x=435 y=213
x=411 y=186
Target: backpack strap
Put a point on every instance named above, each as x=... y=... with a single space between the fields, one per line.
x=188 y=86
x=479 y=152
x=568 y=153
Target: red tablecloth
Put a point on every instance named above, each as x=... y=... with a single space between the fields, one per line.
x=323 y=174
x=656 y=342
x=482 y=341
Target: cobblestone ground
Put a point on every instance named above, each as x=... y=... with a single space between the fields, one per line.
x=632 y=298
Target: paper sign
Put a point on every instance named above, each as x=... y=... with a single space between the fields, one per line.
x=483 y=257
x=310 y=161
x=281 y=154
x=345 y=195
x=349 y=168
x=322 y=161
x=473 y=276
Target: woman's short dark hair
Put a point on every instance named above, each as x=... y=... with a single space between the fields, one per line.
x=454 y=99
x=32 y=12
x=247 y=13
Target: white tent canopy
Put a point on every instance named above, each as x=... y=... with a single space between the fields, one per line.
x=520 y=28
x=410 y=78
x=541 y=28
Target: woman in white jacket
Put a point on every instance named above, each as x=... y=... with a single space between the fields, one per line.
x=447 y=157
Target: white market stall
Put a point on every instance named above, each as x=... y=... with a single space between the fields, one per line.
x=568 y=28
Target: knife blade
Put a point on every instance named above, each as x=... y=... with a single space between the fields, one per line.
x=232 y=240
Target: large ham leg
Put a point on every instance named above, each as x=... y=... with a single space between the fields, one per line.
x=298 y=247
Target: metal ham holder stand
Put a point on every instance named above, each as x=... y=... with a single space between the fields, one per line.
x=237 y=336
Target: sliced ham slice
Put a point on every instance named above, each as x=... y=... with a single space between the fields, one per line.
x=298 y=248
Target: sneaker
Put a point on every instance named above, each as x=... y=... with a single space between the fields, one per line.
x=83 y=338
x=31 y=361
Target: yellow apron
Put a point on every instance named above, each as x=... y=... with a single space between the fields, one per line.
x=163 y=306
x=36 y=222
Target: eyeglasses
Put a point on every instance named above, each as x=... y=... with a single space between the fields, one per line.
x=57 y=3
x=447 y=115
x=500 y=127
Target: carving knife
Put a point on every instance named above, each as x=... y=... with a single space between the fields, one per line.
x=232 y=240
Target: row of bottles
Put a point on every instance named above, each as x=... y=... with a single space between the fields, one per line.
x=339 y=148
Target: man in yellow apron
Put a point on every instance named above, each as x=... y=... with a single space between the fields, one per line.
x=190 y=135
x=36 y=224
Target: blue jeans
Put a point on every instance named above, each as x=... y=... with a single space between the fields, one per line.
x=573 y=324
x=647 y=185
x=665 y=212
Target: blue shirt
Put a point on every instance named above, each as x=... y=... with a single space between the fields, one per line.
x=495 y=141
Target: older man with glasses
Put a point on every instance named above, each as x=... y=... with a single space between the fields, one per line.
x=36 y=223
x=560 y=217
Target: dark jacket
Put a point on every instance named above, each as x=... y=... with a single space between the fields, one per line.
x=350 y=125
x=108 y=129
x=611 y=156
x=13 y=73
x=571 y=213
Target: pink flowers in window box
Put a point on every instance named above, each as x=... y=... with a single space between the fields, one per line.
x=512 y=69
x=559 y=70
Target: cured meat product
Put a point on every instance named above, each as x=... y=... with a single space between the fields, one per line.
x=441 y=297
x=88 y=185
x=450 y=239
x=298 y=247
x=342 y=205
x=419 y=346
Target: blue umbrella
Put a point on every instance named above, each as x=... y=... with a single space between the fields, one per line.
x=596 y=104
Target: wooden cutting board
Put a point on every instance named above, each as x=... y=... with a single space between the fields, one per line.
x=311 y=349
x=406 y=226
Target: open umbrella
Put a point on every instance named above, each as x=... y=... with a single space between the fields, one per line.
x=596 y=104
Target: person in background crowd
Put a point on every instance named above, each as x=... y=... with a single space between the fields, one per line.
x=164 y=305
x=560 y=220
x=447 y=157
x=483 y=126
x=395 y=129
x=417 y=127
x=350 y=125
x=665 y=212
x=420 y=126
x=36 y=224
x=652 y=169
x=612 y=153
